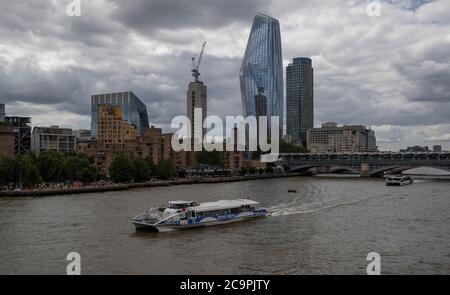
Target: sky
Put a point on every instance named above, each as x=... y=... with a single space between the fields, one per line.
x=389 y=72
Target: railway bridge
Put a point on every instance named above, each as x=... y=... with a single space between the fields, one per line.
x=365 y=164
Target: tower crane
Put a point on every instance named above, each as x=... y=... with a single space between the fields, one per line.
x=196 y=63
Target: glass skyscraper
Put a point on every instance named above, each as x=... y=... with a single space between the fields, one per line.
x=299 y=99
x=262 y=69
x=134 y=110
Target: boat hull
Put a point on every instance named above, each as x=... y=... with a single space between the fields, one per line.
x=204 y=223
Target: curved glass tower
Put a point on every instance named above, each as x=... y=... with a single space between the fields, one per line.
x=262 y=68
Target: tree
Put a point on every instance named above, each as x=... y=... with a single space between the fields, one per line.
x=141 y=169
x=286 y=147
x=79 y=167
x=51 y=166
x=87 y=174
x=209 y=158
x=5 y=170
x=24 y=172
x=151 y=166
x=165 y=169
x=121 y=169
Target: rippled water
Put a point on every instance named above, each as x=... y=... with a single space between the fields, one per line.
x=327 y=227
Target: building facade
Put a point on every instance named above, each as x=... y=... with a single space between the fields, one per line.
x=111 y=128
x=299 y=99
x=196 y=98
x=133 y=109
x=262 y=69
x=6 y=139
x=343 y=139
x=154 y=144
x=52 y=139
x=82 y=134
x=437 y=148
x=416 y=149
x=22 y=133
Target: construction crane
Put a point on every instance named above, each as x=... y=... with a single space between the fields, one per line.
x=196 y=63
x=258 y=84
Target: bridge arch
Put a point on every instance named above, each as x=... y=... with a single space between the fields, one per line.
x=333 y=168
x=400 y=169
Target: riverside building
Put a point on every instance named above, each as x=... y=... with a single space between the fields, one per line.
x=332 y=138
x=52 y=139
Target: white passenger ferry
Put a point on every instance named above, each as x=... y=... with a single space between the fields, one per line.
x=189 y=214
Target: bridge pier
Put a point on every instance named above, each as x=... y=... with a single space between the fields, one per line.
x=365 y=170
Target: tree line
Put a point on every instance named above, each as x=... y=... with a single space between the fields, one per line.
x=28 y=170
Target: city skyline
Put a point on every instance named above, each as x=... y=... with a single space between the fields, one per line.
x=394 y=81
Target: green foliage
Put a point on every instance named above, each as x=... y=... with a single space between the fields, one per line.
x=209 y=158
x=122 y=169
x=165 y=169
x=269 y=170
x=27 y=170
x=151 y=166
x=286 y=147
x=51 y=166
x=244 y=171
x=141 y=169
x=22 y=171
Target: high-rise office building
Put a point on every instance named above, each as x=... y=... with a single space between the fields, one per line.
x=261 y=71
x=52 y=139
x=299 y=99
x=134 y=110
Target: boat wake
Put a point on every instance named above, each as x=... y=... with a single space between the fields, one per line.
x=290 y=209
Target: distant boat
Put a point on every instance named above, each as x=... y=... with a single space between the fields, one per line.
x=189 y=214
x=292 y=190
x=398 y=180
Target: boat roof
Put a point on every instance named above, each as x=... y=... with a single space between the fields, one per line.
x=180 y=202
x=223 y=204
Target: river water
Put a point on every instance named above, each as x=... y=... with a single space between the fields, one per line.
x=327 y=227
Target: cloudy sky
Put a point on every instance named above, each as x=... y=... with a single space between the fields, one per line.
x=390 y=72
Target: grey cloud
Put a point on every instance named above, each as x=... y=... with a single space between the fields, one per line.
x=149 y=16
x=384 y=71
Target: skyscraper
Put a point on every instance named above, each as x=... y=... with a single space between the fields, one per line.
x=262 y=68
x=134 y=110
x=196 y=98
x=299 y=99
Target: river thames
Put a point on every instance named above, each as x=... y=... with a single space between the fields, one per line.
x=327 y=227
